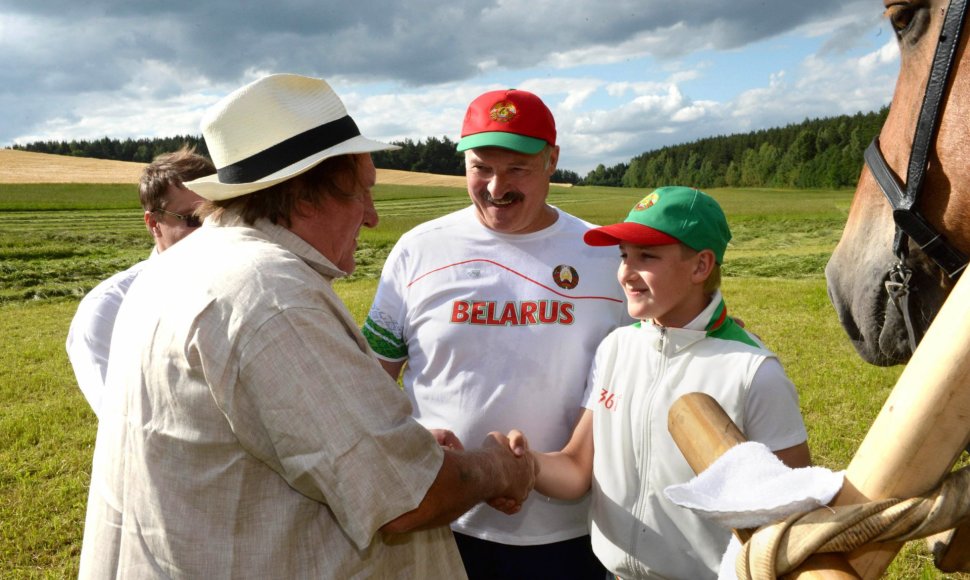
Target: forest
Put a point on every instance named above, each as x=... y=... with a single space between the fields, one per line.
x=816 y=153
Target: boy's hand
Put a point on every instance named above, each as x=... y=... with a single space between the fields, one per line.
x=447 y=438
x=519 y=444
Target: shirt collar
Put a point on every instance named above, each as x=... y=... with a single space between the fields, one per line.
x=283 y=237
x=712 y=316
x=674 y=340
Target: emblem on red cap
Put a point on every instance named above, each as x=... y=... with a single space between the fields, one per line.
x=502 y=111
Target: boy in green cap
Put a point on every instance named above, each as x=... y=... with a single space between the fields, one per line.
x=671 y=247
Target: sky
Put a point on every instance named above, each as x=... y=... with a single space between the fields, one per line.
x=622 y=77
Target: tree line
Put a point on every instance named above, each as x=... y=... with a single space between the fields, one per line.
x=138 y=150
x=816 y=153
x=811 y=154
x=439 y=156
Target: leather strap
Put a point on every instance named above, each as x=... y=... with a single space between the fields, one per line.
x=936 y=87
x=909 y=220
x=910 y=223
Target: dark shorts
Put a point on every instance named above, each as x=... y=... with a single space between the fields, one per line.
x=493 y=561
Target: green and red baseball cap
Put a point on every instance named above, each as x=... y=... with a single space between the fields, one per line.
x=510 y=119
x=667 y=216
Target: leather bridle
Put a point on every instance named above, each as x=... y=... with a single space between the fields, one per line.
x=910 y=223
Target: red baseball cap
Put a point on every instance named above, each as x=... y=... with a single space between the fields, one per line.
x=510 y=119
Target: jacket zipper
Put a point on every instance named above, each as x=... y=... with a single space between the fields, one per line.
x=645 y=450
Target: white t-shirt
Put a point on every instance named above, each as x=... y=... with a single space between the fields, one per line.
x=638 y=373
x=89 y=337
x=499 y=331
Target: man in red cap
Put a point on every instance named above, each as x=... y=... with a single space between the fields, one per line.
x=497 y=310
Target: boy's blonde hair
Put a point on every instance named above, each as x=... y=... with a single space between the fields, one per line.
x=713 y=282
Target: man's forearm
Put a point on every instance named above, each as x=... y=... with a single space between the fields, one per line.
x=465 y=479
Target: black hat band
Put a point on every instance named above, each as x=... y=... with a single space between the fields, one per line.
x=288 y=152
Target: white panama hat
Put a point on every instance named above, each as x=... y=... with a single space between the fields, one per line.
x=274 y=129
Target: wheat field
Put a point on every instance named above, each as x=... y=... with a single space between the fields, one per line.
x=29 y=167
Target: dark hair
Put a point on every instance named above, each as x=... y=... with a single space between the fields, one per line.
x=337 y=176
x=170 y=169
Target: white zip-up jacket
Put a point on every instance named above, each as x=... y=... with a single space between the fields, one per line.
x=638 y=373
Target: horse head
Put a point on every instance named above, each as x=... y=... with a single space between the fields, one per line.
x=864 y=258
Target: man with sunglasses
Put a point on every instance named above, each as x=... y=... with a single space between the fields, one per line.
x=169 y=217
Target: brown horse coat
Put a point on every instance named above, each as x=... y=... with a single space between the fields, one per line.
x=861 y=262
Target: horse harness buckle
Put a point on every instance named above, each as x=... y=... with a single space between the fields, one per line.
x=897 y=285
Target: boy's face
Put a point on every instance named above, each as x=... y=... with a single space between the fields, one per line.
x=664 y=283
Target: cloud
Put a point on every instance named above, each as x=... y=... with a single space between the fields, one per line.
x=619 y=75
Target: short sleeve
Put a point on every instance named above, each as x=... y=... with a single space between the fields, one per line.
x=602 y=363
x=89 y=336
x=384 y=326
x=772 y=414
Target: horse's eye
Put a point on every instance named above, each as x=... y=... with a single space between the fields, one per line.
x=904 y=15
x=900 y=16
x=909 y=19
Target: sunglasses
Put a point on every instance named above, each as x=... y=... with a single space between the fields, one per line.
x=191 y=221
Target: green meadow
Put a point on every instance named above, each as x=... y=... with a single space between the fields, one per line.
x=57 y=242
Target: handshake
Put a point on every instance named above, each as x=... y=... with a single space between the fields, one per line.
x=511 y=468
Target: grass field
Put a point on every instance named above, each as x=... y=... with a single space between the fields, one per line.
x=58 y=241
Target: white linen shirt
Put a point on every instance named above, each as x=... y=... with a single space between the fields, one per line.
x=249 y=431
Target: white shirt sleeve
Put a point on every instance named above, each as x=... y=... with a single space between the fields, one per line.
x=89 y=336
x=384 y=327
x=772 y=414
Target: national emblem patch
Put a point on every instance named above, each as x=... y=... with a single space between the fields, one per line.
x=646 y=202
x=503 y=111
x=565 y=277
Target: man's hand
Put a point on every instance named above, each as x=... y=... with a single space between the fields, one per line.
x=519 y=474
x=467 y=478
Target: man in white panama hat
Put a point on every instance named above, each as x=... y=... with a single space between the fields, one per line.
x=248 y=431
